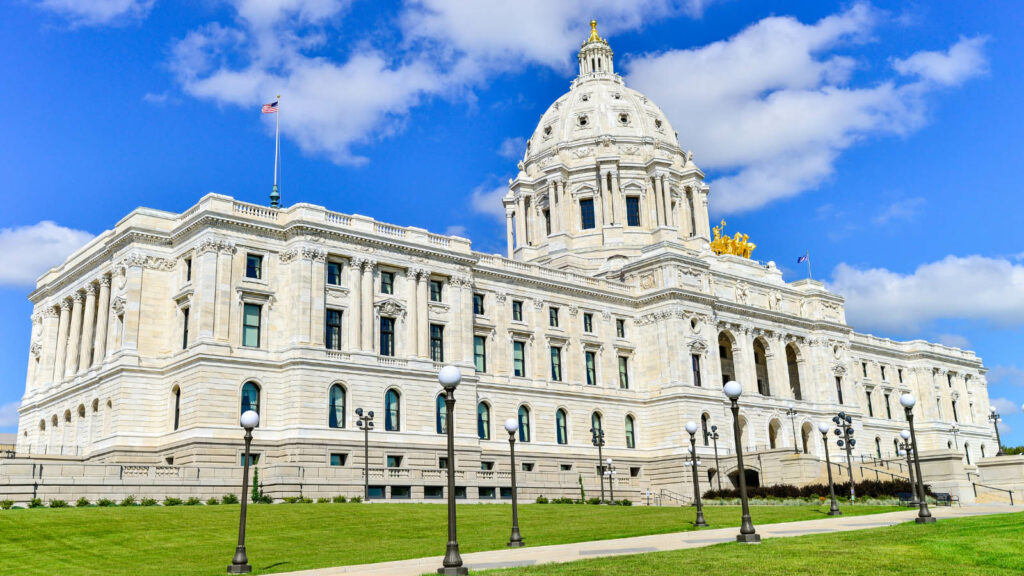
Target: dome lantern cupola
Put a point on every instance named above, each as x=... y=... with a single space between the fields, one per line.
x=595 y=55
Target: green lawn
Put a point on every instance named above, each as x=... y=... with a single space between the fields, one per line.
x=979 y=546
x=281 y=537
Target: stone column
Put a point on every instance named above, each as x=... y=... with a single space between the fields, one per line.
x=509 y=235
x=520 y=221
x=85 y=349
x=566 y=204
x=608 y=213
x=48 y=340
x=553 y=206
x=74 y=335
x=704 y=230
x=619 y=202
x=412 y=297
x=102 y=320
x=34 y=351
x=133 y=305
x=743 y=361
x=466 y=284
x=303 y=294
x=658 y=201
x=369 y=271
x=222 y=309
x=423 y=278
x=318 y=297
x=204 y=298
x=355 y=334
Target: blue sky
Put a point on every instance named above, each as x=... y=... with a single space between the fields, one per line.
x=882 y=137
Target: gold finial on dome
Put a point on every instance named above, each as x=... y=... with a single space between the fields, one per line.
x=593 y=33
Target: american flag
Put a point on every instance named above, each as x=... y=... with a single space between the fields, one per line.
x=269 y=108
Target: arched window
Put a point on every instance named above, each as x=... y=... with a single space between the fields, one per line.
x=441 y=422
x=392 y=411
x=483 y=421
x=67 y=415
x=595 y=421
x=967 y=453
x=878 y=447
x=81 y=410
x=251 y=397
x=774 y=427
x=53 y=420
x=524 y=424
x=336 y=408
x=704 y=427
x=793 y=366
x=42 y=425
x=630 y=436
x=95 y=404
x=982 y=450
x=561 y=427
x=177 y=406
x=761 y=368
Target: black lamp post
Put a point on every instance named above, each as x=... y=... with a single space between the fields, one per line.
x=994 y=418
x=844 y=428
x=449 y=377
x=791 y=412
x=609 y=471
x=597 y=435
x=691 y=427
x=718 y=471
x=906 y=450
x=240 y=563
x=924 y=516
x=747 y=533
x=366 y=423
x=512 y=426
x=834 y=508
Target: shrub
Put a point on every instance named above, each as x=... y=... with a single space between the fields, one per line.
x=624 y=502
x=82 y=502
x=128 y=501
x=148 y=502
x=339 y=499
x=193 y=501
x=864 y=489
x=168 y=501
x=298 y=500
x=58 y=504
x=35 y=503
x=6 y=504
x=229 y=499
x=213 y=501
x=104 y=502
x=323 y=500
x=542 y=500
x=561 y=500
x=264 y=499
x=594 y=501
x=356 y=499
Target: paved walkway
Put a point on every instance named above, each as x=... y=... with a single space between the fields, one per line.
x=527 y=556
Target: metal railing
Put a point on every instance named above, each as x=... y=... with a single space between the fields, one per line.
x=666 y=493
x=975 y=485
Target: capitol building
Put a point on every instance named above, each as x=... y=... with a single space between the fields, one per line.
x=618 y=306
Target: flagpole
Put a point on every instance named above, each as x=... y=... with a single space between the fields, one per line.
x=809 y=275
x=275 y=197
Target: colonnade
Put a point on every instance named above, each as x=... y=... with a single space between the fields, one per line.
x=75 y=333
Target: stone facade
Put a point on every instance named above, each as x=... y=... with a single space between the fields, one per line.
x=611 y=306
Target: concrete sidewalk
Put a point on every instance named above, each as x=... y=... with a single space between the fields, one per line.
x=527 y=556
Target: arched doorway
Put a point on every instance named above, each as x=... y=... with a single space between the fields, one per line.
x=774 y=427
x=761 y=368
x=753 y=478
x=806 y=435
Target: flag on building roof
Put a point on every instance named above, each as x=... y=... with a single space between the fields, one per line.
x=269 y=108
x=802 y=259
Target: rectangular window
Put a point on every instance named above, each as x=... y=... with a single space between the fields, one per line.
x=519 y=358
x=460 y=492
x=437 y=342
x=478 y=304
x=254 y=459
x=486 y=493
x=587 y=213
x=376 y=492
x=899 y=374
x=188 y=269
x=394 y=461
x=888 y=408
x=332 y=336
x=527 y=466
x=553 y=317
x=632 y=210
x=480 y=353
x=334 y=273
x=956 y=417
x=338 y=459
x=433 y=492
x=401 y=492
x=547 y=222
x=442 y=463
x=591 y=362
x=623 y=372
x=387 y=282
x=251 y=325
x=506 y=492
x=695 y=365
x=254 y=266
x=387 y=336
x=486 y=465
x=620 y=328
x=556 y=363
x=435 y=290
x=565 y=467
x=949 y=380
x=864 y=368
x=184 y=328
x=882 y=368
x=871 y=409
x=588 y=322
x=517 y=310
x=839 y=389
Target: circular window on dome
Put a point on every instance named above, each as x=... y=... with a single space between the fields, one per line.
x=547 y=131
x=585 y=97
x=623 y=118
x=617 y=96
x=582 y=120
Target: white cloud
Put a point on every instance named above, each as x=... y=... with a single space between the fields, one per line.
x=512 y=148
x=9 y=414
x=455 y=230
x=1003 y=405
x=772 y=107
x=1010 y=375
x=971 y=287
x=963 y=60
x=954 y=340
x=900 y=210
x=27 y=252
x=98 y=12
x=486 y=199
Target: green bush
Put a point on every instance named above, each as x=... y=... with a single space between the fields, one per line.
x=35 y=503
x=169 y=501
x=148 y=502
x=562 y=500
x=339 y=499
x=82 y=502
x=864 y=489
x=594 y=501
x=58 y=504
x=323 y=500
x=297 y=500
x=213 y=501
x=356 y=499
x=128 y=501
x=542 y=500
x=193 y=501
x=264 y=499
x=624 y=502
x=104 y=502
x=6 y=504
x=229 y=499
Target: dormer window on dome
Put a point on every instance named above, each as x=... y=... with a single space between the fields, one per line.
x=624 y=119
x=582 y=120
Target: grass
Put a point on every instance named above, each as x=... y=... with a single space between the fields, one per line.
x=979 y=546
x=200 y=540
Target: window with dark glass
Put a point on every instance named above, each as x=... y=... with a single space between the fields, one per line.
x=437 y=342
x=483 y=421
x=591 y=362
x=620 y=328
x=188 y=269
x=632 y=210
x=587 y=214
x=251 y=325
x=553 y=317
x=478 y=304
x=899 y=374
x=442 y=414
x=254 y=266
x=387 y=336
x=435 y=290
x=561 y=427
x=338 y=459
x=871 y=409
x=695 y=365
x=623 y=372
x=334 y=273
x=556 y=364
x=517 y=310
x=250 y=397
x=519 y=358
x=595 y=422
x=956 y=417
x=547 y=222
x=839 y=389
x=864 y=368
x=332 y=337
x=336 y=407
x=888 y=408
x=882 y=368
x=392 y=411
x=394 y=461
x=588 y=322
x=177 y=406
x=387 y=282
x=184 y=328
x=630 y=435
x=524 y=424
x=480 y=353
